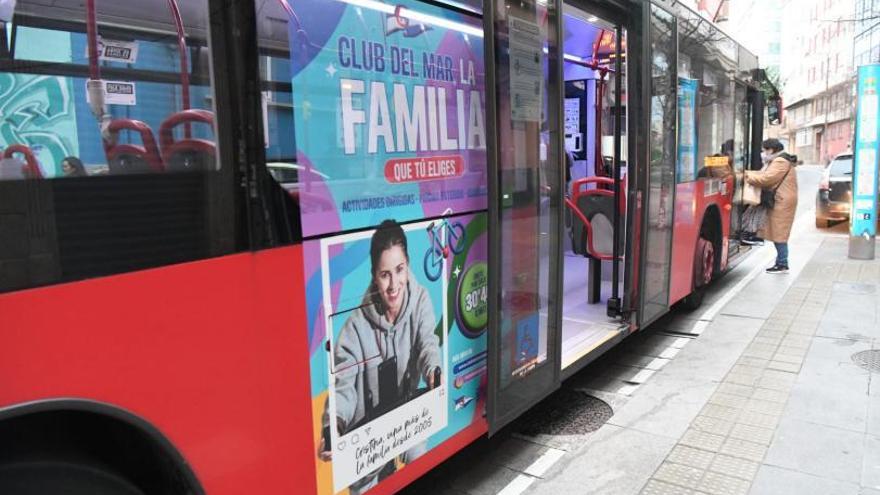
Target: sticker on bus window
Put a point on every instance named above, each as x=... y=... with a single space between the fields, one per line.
x=116 y=51
x=716 y=161
x=526 y=70
x=117 y=93
x=687 y=130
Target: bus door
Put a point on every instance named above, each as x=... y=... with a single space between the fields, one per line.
x=526 y=180
x=741 y=161
x=668 y=110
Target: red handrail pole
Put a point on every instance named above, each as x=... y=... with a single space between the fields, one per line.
x=92 y=35
x=184 y=60
x=286 y=6
x=600 y=96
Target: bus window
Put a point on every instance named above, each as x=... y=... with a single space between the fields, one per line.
x=706 y=64
x=108 y=142
x=120 y=100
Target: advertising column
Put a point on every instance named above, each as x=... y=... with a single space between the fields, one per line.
x=863 y=219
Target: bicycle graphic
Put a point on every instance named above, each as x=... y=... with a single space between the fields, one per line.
x=444 y=236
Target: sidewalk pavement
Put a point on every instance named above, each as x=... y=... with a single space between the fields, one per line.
x=775 y=397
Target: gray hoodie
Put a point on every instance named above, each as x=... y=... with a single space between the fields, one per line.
x=367 y=339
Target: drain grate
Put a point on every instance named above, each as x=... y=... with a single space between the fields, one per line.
x=869 y=360
x=566 y=412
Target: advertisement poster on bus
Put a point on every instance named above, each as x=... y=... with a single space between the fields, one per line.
x=388 y=112
x=397 y=317
x=687 y=129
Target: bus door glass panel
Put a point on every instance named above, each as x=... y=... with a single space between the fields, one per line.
x=741 y=146
x=661 y=172
x=525 y=206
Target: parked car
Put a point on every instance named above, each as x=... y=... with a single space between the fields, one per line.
x=834 y=197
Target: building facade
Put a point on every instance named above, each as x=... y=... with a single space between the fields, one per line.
x=866 y=45
x=817 y=76
x=758 y=26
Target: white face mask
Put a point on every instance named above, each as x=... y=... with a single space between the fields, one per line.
x=765 y=157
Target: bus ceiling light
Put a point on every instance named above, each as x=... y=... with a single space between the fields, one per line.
x=417 y=16
x=592 y=18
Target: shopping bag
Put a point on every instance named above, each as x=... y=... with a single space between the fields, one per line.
x=751 y=194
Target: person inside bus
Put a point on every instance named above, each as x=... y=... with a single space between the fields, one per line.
x=778 y=182
x=73 y=167
x=387 y=347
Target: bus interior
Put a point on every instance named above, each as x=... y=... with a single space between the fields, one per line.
x=593 y=76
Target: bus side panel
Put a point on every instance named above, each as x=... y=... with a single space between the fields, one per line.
x=684 y=238
x=212 y=353
x=692 y=200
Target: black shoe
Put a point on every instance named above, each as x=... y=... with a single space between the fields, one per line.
x=777 y=269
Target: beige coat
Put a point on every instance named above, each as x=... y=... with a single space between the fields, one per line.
x=780 y=218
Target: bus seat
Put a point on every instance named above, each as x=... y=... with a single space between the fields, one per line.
x=31 y=167
x=593 y=235
x=188 y=154
x=131 y=158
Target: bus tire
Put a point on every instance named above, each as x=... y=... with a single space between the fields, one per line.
x=694 y=300
x=704 y=272
x=67 y=475
x=79 y=447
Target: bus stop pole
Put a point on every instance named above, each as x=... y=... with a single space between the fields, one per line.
x=866 y=151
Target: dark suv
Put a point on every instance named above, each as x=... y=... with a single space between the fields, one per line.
x=835 y=191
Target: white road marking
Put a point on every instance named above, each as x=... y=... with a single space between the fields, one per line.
x=627 y=390
x=713 y=310
x=517 y=485
x=669 y=352
x=547 y=459
x=641 y=377
x=656 y=364
x=536 y=470
x=699 y=327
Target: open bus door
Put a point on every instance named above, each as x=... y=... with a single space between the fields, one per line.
x=526 y=181
x=669 y=110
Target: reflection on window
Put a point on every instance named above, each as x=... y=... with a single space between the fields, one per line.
x=663 y=159
x=706 y=58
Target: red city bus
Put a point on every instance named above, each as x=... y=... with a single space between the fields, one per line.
x=320 y=246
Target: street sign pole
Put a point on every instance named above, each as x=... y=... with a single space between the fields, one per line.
x=863 y=212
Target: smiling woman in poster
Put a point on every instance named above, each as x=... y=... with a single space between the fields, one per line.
x=387 y=347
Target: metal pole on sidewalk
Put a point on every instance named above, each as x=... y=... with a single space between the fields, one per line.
x=866 y=152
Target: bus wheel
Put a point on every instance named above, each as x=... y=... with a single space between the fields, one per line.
x=39 y=477
x=704 y=271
